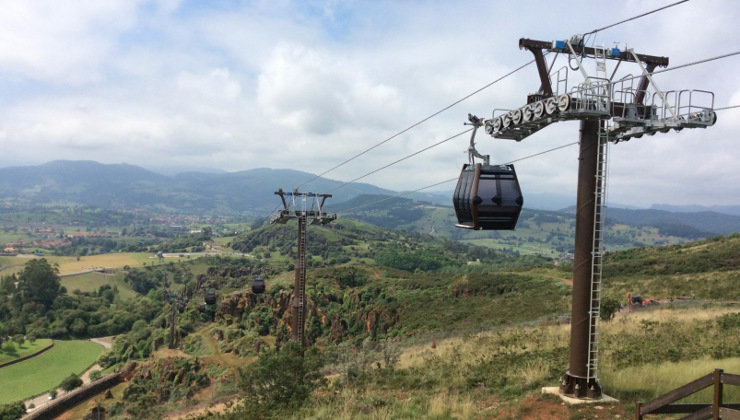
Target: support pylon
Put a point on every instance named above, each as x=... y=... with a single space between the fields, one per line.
x=305 y=216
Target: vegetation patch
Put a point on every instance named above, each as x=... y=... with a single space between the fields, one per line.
x=25 y=349
x=40 y=374
x=91 y=282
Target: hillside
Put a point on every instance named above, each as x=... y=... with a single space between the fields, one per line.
x=540 y=232
x=479 y=339
x=405 y=321
x=707 y=269
x=127 y=187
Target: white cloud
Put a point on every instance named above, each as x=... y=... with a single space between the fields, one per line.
x=306 y=85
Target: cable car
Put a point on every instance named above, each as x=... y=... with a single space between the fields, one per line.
x=211 y=297
x=487 y=197
x=258 y=285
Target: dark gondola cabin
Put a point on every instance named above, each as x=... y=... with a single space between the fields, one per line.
x=211 y=297
x=258 y=285
x=487 y=197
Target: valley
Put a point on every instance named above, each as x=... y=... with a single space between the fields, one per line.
x=406 y=317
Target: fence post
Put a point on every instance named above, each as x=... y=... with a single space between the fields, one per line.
x=638 y=416
x=717 y=403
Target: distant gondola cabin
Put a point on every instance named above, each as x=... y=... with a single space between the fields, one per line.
x=258 y=285
x=211 y=297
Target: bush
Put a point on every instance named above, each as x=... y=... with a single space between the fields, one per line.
x=71 y=382
x=9 y=347
x=609 y=308
x=12 y=411
x=281 y=379
x=96 y=374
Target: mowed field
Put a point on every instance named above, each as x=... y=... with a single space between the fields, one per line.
x=91 y=282
x=44 y=372
x=68 y=265
x=25 y=349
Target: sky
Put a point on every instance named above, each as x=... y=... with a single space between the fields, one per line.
x=174 y=85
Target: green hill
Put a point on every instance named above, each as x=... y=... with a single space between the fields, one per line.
x=706 y=269
x=539 y=232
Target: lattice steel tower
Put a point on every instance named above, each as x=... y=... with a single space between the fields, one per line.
x=296 y=206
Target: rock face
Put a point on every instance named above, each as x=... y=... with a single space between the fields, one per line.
x=327 y=314
x=166 y=379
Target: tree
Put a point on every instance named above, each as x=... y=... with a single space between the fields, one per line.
x=609 y=307
x=12 y=411
x=40 y=282
x=9 y=347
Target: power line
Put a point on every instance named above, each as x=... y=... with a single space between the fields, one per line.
x=693 y=63
x=635 y=17
x=465 y=98
x=726 y=107
x=404 y=158
x=416 y=124
x=398 y=195
x=455 y=179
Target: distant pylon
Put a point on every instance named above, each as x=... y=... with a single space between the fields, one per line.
x=296 y=207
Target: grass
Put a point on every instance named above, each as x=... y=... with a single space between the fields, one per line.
x=113 y=260
x=40 y=374
x=91 y=282
x=499 y=373
x=653 y=380
x=25 y=349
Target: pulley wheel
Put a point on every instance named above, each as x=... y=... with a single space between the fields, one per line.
x=551 y=105
x=527 y=113
x=507 y=120
x=539 y=109
x=488 y=126
x=497 y=124
x=563 y=103
x=516 y=116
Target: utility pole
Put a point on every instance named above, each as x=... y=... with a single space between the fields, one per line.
x=295 y=206
x=609 y=111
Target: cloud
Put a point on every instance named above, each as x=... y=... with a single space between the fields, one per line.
x=315 y=92
x=306 y=85
x=45 y=41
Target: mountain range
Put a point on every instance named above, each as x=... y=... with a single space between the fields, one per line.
x=250 y=193
x=128 y=187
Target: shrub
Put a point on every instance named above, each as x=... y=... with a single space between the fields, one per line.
x=96 y=374
x=9 y=347
x=12 y=411
x=609 y=307
x=71 y=382
x=281 y=379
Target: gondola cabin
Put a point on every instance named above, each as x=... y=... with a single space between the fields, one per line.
x=487 y=197
x=258 y=285
x=211 y=297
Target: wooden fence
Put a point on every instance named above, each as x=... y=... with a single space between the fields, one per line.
x=716 y=410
